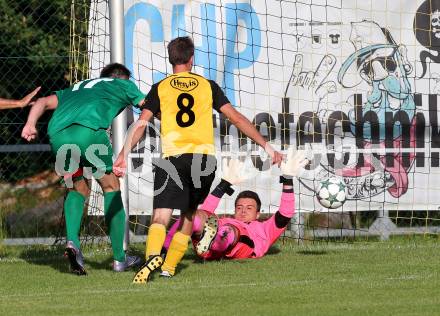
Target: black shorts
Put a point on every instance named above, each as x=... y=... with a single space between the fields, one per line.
x=183 y=182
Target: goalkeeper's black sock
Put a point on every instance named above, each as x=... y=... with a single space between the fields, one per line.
x=73 y=211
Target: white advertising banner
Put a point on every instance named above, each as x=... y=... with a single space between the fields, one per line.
x=355 y=82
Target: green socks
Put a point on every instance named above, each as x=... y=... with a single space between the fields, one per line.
x=73 y=211
x=115 y=220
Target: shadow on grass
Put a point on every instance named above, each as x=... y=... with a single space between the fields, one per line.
x=180 y=267
x=107 y=263
x=313 y=252
x=99 y=264
x=198 y=260
x=273 y=251
x=51 y=256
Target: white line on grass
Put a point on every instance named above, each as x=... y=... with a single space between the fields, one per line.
x=199 y=285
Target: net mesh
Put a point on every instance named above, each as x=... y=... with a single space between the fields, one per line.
x=306 y=73
x=283 y=64
x=34 y=51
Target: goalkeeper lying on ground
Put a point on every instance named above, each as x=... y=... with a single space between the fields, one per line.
x=242 y=236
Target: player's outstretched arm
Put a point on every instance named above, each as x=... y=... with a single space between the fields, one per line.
x=12 y=104
x=245 y=126
x=232 y=175
x=276 y=224
x=134 y=134
x=29 y=131
x=291 y=167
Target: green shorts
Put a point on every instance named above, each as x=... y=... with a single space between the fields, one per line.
x=77 y=146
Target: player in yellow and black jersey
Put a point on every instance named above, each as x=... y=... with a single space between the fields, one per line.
x=183 y=176
x=185 y=101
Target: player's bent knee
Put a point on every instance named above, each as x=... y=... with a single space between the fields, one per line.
x=161 y=216
x=81 y=187
x=109 y=183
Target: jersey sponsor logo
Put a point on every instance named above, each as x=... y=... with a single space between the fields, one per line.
x=184 y=83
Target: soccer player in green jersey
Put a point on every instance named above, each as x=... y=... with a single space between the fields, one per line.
x=78 y=138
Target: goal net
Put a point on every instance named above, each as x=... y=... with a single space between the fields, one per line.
x=354 y=82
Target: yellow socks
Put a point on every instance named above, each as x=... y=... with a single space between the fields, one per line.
x=178 y=247
x=155 y=239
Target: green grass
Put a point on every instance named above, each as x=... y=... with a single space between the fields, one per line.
x=399 y=277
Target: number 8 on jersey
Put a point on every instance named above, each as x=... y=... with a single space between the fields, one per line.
x=185 y=109
x=186 y=102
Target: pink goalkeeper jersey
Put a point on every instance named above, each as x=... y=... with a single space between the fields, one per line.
x=255 y=237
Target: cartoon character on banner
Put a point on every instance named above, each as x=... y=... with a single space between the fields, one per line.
x=426 y=28
x=382 y=64
x=379 y=67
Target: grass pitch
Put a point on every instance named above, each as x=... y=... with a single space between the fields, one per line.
x=398 y=277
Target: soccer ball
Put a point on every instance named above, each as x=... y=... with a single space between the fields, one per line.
x=331 y=192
